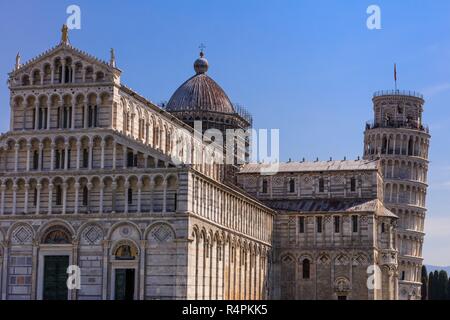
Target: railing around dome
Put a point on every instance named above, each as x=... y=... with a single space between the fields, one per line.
x=243 y=113
x=239 y=110
x=398 y=93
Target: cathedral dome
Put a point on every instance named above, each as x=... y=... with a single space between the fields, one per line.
x=200 y=93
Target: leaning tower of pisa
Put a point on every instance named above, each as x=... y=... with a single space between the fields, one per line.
x=399 y=139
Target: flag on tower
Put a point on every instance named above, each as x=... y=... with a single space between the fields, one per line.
x=395 y=71
x=395 y=75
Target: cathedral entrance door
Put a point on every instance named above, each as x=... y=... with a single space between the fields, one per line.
x=124 y=284
x=55 y=277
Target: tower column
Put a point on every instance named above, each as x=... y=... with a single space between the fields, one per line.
x=25 y=205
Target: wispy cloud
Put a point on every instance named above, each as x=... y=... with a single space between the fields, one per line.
x=444 y=185
x=436 y=89
x=436 y=250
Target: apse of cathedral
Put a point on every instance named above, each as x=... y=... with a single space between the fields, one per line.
x=96 y=176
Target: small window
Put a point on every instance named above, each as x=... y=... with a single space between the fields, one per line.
x=92 y=116
x=264 y=186
x=306 y=269
x=58 y=195
x=130 y=196
x=355 y=223
x=69 y=153
x=321 y=185
x=319 y=224
x=383 y=228
x=35 y=196
x=352 y=184
x=85 y=158
x=292 y=185
x=85 y=196
x=403 y=275
x=35 y=160
x=130 y=159
x=337 y=224
x=301 y=224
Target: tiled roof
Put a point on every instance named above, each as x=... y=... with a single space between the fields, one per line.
x=330 y=205
x=311 y=166
x=323 y=205
x=200 y=93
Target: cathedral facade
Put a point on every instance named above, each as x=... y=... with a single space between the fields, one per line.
x=94 y=175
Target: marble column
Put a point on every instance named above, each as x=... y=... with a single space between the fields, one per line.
x=38 y=197
x=102 y=160
x=78 y=154
x=16 y=156
x=113 y=190
x=36 y=116
x=28 y=156
x=25 y=205
x=77 y=189
x=52 y=156
x=114 y=155
x=66 y=156
x=139 y=187
x=101 y=186
x=91 y=145
x=50 y=195
x=126 y=186
x=64 y=197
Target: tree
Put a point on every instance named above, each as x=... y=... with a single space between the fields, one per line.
x=431 y=286
x=435 y=289
x=424 y=280
x=448 y=290
x=442 y=285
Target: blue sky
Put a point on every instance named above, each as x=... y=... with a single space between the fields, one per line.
x=307 y=67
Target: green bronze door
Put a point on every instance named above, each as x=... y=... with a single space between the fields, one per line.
x=124 y=284
x=55 y=277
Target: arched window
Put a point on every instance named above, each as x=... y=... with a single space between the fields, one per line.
x=36 y=77
x=100 y=76
x=306 y=268
x=384 y=146
x=410 y=146
x=125 y=252
x=89 y=75
x=57 y=235
x=68 y=72
x=25 y=80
